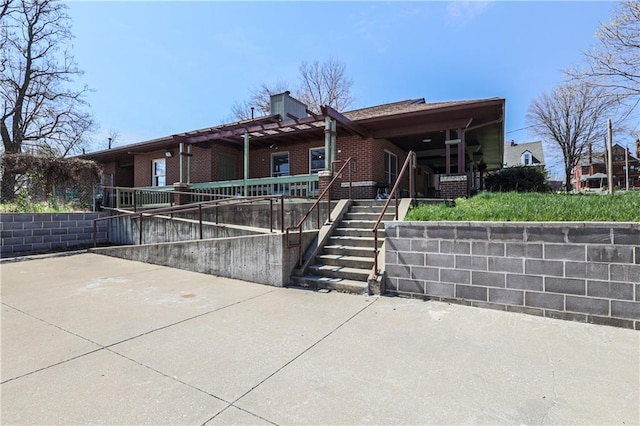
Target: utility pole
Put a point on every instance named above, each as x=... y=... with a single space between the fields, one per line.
x=610 y=156
x=626 y=165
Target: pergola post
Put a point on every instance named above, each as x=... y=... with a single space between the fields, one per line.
x=327 y=143
x=333 y=141
x=461 y=152
x=447 y=151
x=246 y=162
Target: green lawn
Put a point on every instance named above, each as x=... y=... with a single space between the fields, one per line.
x=534 y=207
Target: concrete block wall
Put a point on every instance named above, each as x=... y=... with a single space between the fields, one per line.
x=29 y=233
x=586 y=272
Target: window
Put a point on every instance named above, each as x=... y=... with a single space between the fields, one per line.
x=585 y=170
x=280 y=164
x=526 y=158
x=159 y=172
x=390 y=168
x=316 y=160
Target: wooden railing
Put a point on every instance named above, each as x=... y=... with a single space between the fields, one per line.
x=409 y=164
x=305 y=186
x=316 y=205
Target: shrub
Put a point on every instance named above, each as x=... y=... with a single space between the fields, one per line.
x=519 y=179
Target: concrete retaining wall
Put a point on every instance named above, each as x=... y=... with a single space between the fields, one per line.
x=126 y=230
x=29 y=233
x=577 y=271
x=258 y=214
x=263 y=259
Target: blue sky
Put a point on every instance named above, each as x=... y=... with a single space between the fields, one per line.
x=159 y=68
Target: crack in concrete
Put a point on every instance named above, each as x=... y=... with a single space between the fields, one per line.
x=232 y=404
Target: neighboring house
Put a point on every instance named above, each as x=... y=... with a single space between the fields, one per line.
x=591 y=170
x=523 y=154
x=455 y=142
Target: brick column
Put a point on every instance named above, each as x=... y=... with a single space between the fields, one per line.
x=454 y=186
x=180 y=199
x=324 y=178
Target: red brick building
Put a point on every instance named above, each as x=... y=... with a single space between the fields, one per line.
x=455 y=142
x=591 y=170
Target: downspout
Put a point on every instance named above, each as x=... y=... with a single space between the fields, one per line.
x=246 y=162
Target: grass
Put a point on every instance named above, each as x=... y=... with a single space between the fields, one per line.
x=535 y=207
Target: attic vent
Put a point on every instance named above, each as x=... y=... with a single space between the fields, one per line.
x=284 y=103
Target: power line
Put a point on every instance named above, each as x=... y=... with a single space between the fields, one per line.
x=517 y=130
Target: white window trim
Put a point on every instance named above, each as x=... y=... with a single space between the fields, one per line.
x=311 y=149
x=153 y=171
x=385 y=166
x=273 y=154
x=523 y=158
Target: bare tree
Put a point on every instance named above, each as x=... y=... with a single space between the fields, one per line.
x=259 y=100
x=614 y=63
x=319 y=83
x=39 y=112
x=325 y=83
x=569 y=118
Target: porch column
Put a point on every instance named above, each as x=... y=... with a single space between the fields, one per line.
x=333 y=141
x=447 y=152
x=189 y=163
x=461 y=152
x=327 y=143
x=181 y=158
x=246 y=161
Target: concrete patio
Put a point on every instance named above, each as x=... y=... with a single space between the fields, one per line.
x=89 y=339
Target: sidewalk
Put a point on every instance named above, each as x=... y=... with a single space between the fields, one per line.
x=92 y=339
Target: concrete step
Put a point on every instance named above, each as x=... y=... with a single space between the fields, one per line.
x=369 y=216
x=358 y=262
x=333 y=271
x=339 y=284
x=357 y=232
x=359 y=224
x=341 y=240
x=340 y=249
x=371 y=209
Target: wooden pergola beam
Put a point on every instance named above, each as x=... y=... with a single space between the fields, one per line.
x=327 y=111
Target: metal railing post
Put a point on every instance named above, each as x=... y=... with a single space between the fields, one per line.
x=140 y=226
x=282 y=213
x=200 y=218
x=270 y=214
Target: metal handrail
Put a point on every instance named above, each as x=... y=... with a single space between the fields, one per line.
x=410 y=161
x=326 y=191
x=228 y=201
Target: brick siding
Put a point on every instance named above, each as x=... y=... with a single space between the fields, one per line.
x=580 y=272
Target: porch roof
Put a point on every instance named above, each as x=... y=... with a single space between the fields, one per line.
x=406 y=123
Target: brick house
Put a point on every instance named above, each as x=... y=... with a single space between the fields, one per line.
x=591 y=170
x=455 y=142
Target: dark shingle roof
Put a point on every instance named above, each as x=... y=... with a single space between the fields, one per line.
x=513 y=153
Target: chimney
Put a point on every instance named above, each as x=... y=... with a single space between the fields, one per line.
x=513 y=143
x=283 y=104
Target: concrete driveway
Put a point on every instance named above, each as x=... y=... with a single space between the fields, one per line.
x=88 y=339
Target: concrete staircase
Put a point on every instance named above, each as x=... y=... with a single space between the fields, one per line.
x=345 y=262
